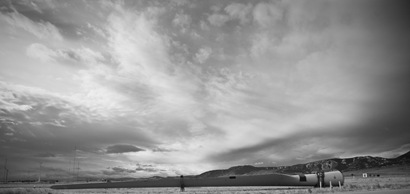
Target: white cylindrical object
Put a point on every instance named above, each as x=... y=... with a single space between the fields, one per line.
x=333 y=176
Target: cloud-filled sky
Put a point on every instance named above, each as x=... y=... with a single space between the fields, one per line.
x=146 y=88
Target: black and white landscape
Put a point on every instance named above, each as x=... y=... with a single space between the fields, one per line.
x=137 y=89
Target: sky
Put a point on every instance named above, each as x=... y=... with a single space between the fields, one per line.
x=165 y=88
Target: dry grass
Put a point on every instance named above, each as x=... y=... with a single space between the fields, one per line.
x=369 y=184
x=351 y=184
x=25 y=191
x=389 y=182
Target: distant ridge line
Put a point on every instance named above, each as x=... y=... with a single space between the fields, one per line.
x=341 y=164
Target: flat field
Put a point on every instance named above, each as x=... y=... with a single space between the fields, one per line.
x=356 y=184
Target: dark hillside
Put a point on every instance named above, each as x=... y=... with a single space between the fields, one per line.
x=341 y=164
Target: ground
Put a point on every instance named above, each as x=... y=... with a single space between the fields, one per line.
x=394 y=184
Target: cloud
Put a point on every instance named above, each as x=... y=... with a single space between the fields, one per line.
x=48 y=114
x=122 y=148
x=26 y=103
x=204 y=26
x=267 y=14
x=180 y=2
x=10 y=106
x=45 y=155
x=55 y=123
x=42 y=30
x=42 y=52
x=239 y=11
x=36 y=7
x=12 y=98
x=261 y=44
x=296 y=147
x=203 y=54
x=118 y=171
x=97 y=30
x=233 y=11
x=182 y=20
x=218 y=19
x=147 y=168
x=147 y=79
x=122 y=170
x=303 y=71
x=83 y=55
x=162 y=150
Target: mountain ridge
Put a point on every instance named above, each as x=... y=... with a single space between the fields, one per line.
x=341 y=164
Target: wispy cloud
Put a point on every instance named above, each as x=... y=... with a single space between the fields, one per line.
x=42 y=30
x=83 y=56
x=268 y=14
x=116 y=149
x=203 y=54
x=182 y=20
x=45 y=155
x=118 y=171
x=240 y=11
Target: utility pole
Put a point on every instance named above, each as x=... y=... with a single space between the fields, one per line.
x=78 y=169
x=75 y=155
x=69 y=166
x=39 y=176
x=6 y=172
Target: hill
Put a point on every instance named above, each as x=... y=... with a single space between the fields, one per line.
x=341 y=164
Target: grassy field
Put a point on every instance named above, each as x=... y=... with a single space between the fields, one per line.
x=386 y=171
x=357 y=183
